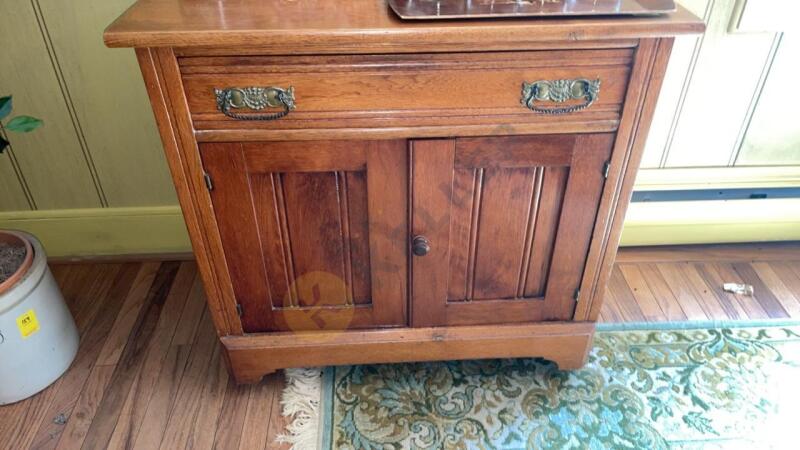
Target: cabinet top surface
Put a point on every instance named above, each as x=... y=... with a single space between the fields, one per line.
x=301 y=24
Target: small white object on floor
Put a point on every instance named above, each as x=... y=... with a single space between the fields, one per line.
x=300 y=401
x=738 y=288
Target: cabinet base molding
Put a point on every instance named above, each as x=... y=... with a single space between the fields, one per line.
x=250 y=357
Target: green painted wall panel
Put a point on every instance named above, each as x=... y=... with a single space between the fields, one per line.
x=12 y=194
x=676 y=82
x=110 y=102
x=773 y=135
x=719 y=97
x=51 y=159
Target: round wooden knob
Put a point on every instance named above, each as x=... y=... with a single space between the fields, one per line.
x=420 y=245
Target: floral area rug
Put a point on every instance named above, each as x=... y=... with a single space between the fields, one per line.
x=706 y=388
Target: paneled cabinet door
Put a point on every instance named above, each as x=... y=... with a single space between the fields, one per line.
x=314 y=233
x=501 y=226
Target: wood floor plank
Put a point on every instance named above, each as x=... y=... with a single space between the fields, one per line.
x=190 y=317
x=187 y=403
x=36 y=411
x=610 y=310
x=107 y=293
x=256 y=422
x=663 y=295
x=642 y=294
x=699 y=289
x=231 y=420
x=714 y=281
x=60 y=272
x=624 y=297
x=10 y=415
x=753 y=308
x=142 y=390
x=88 y=293
x=212 y=396
x=128 y=315
x=131 y=359
x=84 y=411
x=73 y=289
x=171 y=374
x=681 y=291
x=763 y=295
x=63 y=274
x=789 y=299
x=151 y=430
x=277 y=422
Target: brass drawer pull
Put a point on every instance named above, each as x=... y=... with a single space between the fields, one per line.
x=255 y=98
x=559 y=91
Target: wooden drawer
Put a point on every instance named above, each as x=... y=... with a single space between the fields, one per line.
x=422 y=91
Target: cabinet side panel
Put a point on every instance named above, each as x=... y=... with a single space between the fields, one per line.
x=646 y=78
x=159 y=72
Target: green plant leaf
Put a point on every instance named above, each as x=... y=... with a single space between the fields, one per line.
x=3 y=144
x=24 y=124
x=5 y=107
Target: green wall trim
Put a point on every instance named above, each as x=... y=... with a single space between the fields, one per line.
x=706 y=222
x=161 y=230
x=104 y=231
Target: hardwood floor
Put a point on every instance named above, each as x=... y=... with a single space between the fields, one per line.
x=148 y=373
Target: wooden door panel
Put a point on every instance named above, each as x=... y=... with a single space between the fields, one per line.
x=316 y=216
x=493 y=216
x=544 y=224
x=312 y=243
x=357 y=246
x=515 y=213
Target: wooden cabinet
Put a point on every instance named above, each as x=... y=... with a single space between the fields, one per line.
x=360 y=189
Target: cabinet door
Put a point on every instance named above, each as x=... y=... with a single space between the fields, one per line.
x=314 y=233
x=508 y=221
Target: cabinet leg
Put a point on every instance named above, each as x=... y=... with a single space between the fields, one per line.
x=575 y=359
x=245 y=377
x=243 y=374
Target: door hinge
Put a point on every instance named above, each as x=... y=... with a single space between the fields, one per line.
x=606 y=168
x=239 y=309
x=577 y=295
x=209 y=183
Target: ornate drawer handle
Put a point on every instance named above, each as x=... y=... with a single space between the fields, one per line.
x=559 y=91
x=255 y=98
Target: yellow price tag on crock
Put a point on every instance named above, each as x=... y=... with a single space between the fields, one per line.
x=27 y=324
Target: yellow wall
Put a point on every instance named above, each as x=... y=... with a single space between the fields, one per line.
x=99 y=147
x=93 y=180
